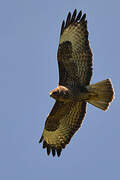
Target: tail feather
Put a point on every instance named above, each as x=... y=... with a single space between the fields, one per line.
x=103 y=94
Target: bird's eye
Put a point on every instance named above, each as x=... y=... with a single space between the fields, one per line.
x=55 y=93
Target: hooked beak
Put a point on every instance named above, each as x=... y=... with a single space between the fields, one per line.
x=50 y=94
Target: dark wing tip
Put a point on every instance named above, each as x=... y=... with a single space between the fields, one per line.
x=74 y=16
x=73 y=19
x=78 y=16
x=45 y=145
x=68 y=20
x=41 y=139
x=62 y=27
x=59 y=152
x=83 y=18
x=48 y=150
x=52 y=149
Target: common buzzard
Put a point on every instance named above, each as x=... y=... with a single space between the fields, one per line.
x=74 y=90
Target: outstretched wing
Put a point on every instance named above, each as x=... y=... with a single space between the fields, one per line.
x=74 y=53
x=61 y=124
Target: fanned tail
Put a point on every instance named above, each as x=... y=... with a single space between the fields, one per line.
x=104 y=94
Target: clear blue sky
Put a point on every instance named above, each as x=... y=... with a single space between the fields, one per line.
x=29 y=36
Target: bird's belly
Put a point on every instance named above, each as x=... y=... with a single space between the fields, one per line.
x=74 y=97
x=84 y=96
x=65 y=99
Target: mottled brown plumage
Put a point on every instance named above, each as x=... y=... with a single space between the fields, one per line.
x=74 y=89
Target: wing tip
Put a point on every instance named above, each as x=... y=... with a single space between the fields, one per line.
x=51 y=148
x=62 y=27
x=72 y=19
x=41 y=139
x=59 y=152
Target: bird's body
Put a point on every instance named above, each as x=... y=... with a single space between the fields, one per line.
x=74 y=89
x=68 y=94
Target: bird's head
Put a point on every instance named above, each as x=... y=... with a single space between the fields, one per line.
x=54 y=93
x=60 y=93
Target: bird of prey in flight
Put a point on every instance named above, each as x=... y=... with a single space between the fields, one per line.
x=74 y=90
